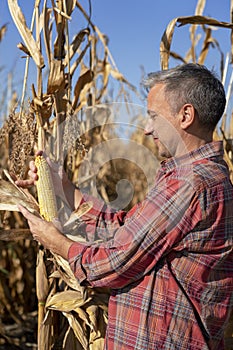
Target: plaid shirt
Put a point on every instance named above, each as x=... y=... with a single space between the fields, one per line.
x=168 y=261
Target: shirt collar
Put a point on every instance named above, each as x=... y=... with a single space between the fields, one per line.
x=207 y=151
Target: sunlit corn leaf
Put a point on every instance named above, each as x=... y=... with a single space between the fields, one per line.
x=78 y=213
x=25 y=33
x=198 y=12
x=47 y=31
x=75 y=44
x=67 y=274
x=181 y=21
x=79 y=59
x=66 y=301
x=82 y=85
x=11 y=196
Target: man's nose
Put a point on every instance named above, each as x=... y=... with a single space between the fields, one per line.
x=148 y=130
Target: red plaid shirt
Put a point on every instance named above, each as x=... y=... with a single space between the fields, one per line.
x=168 y=261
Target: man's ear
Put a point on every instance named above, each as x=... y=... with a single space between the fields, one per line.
x=187 y=116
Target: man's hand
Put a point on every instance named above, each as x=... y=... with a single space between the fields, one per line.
x=47 y=234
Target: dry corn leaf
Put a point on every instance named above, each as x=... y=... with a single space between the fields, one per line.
x=25 y=33
x=79 y=330
x=70 y=342
x=199 y=11
x=46 y=336
x=189 y=54
x=42 y=286
x=66 y=301
x=67 y=274
x=83 y=81
x=70 y=5
x=15 y=234
x=11 y=196
x=166 y=40
x=47 y=31
x=205 y=47
x=78 y=213
x=75 y=44
x=56 y=80
x=79 y=59
x=3 y=31
x=119 y=76
x=59 y=51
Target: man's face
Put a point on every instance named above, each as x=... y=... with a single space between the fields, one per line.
x=162 y=125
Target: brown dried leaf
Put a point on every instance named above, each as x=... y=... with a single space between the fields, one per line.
x=25 y=33
x=205 y=48
x=15 y=234
x=3 y=31
x=199 y=10
x=11 y=196
x=70 y=5
x=79 y=330
x=66 y=301
x=120 y=77
x=23 y=48
x=83 y=80
x=166 y=40
x=56 y=80
x=78 y=39
x=66 y=273
x=42 y=286
x=47 y=30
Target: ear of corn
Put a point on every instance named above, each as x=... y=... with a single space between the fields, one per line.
x=45 y=190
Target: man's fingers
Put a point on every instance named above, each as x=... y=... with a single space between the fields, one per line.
x=26 y=213
x=39 y=153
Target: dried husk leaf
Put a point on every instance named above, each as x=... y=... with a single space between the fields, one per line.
x=66 y=301
x=78 y=213
x=25 y=33
x=169 y=31
x=11 y=196
x=67 y=274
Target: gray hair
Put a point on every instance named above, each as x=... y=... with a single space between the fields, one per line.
x=194 y=84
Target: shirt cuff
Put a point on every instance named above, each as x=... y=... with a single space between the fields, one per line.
x=75 y=254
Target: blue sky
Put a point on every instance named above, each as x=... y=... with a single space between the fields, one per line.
x=134 y=29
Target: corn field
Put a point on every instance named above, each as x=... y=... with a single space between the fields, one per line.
x=71 y=115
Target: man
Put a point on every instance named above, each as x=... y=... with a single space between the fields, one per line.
x=169 y=260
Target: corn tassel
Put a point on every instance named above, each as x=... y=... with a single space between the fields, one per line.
x=45 y=190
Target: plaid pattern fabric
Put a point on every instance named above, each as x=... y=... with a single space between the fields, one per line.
x=168 y=261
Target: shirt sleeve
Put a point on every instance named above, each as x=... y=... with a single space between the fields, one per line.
x=145 y=236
